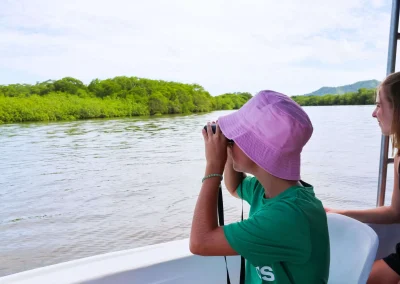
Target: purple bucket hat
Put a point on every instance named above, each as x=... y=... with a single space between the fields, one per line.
x=271 y=129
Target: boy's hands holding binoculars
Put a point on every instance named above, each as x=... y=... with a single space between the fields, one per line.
x=215 y=148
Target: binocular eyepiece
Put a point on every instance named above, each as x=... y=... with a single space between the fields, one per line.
x=214 y=128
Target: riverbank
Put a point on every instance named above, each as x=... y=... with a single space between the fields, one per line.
x=362 y=97
x=70 y=99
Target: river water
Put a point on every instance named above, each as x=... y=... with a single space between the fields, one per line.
x=74 y=189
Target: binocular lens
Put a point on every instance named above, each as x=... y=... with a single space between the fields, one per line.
x=214 y=128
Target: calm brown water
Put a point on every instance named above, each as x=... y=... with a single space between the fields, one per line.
x=75 y=189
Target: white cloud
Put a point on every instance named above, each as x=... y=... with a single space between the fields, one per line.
x=378 y=3
x=291 y=46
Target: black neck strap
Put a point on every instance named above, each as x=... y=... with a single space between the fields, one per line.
x=221 y=223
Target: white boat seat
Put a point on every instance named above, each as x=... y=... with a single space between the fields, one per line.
x=353 y=249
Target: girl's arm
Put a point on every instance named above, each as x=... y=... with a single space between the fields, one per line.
x=380 y=215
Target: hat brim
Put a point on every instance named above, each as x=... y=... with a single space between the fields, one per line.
x=284 y=166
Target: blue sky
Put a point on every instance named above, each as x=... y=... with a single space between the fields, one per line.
x=292 y=47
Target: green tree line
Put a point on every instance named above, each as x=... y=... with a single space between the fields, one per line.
x=70 y=99
x=362 y=97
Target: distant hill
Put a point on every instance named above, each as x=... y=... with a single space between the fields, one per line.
x=369 y=84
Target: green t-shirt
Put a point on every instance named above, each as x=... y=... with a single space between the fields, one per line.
x=285 y=239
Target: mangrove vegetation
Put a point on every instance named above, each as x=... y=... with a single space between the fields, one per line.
x=70 y=99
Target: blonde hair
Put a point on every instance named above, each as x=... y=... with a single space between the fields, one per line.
x=391 y=84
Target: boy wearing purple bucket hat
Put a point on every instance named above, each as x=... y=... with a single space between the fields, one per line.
x=285 y=239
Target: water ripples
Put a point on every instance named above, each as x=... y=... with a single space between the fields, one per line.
x=74 y=189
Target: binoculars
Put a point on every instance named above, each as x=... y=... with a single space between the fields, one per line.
x=214 y=128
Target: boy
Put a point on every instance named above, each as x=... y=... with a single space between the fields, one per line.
x=285 y=239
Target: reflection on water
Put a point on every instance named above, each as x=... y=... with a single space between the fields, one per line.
x=74 y=189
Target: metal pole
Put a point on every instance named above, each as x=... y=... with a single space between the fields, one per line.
x=382 y=171
x=391 y=64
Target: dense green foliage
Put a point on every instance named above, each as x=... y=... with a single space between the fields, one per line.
x=362 y=97
x=70 y=99
x=369 y=84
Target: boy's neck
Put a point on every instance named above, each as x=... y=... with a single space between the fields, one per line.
x=272 y=185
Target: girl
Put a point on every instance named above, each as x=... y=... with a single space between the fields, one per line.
x=387 y=112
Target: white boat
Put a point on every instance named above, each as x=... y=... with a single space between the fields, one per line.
x=354 y=245
x=353 y=249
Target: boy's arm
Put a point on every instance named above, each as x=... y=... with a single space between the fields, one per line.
x=206 y=237
x=269 y=233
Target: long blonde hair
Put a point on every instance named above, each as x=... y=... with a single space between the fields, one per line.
x=391 y=84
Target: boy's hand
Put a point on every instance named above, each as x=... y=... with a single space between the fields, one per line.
x=216 y=149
